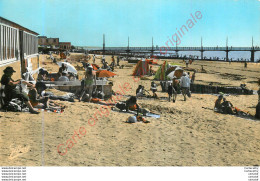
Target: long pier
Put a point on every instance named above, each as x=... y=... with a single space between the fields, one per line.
x=164 y=50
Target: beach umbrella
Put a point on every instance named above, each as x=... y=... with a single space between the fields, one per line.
x=70 y=68
x=171 y=69
x=104 y=73
x=177 y=73
x=95 y=66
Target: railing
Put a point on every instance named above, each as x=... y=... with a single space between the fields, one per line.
x=181 y=49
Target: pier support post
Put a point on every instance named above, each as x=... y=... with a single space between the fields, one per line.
x=201 y=54
x=252 y=55
x=176 y=52
x=227 y=55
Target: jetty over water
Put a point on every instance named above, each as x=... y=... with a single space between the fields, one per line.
x=163 y=50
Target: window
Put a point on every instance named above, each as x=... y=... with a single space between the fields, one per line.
x=8 y=43
x=30 y=44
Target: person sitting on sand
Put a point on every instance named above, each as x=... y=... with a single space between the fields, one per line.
x=11 y=91
x=42 y=76
x=62 y=69
x=226 y=107
x=63 y=77
x=140 y=91
x=185 y=85
x=154 y=89
x=129 y=104
x=218 y=103
x=132 y=103
x=72 y=76
x=37 y=101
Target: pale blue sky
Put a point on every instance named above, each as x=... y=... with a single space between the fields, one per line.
x=83 y=22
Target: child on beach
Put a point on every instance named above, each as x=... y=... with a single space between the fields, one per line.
x=39 y=102
x=154 y=89
x=170 y=91
x=175 y=86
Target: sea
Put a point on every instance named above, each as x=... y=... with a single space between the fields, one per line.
x=234 y=55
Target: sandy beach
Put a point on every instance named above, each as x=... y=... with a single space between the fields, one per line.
x=187 y=133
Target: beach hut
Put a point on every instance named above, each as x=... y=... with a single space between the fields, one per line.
x=18 y=48
x=142 y=68
x=161 y=72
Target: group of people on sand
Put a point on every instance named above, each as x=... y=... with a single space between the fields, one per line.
x=13 y=89
x=31 y=93
x=183 y=84
x=222 y=105
x=106 y=65
x=172 y=88
x=64 y=75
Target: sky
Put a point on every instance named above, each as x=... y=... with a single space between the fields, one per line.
x=83 y=22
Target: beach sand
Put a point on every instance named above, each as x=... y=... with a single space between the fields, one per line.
x=187 y=134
